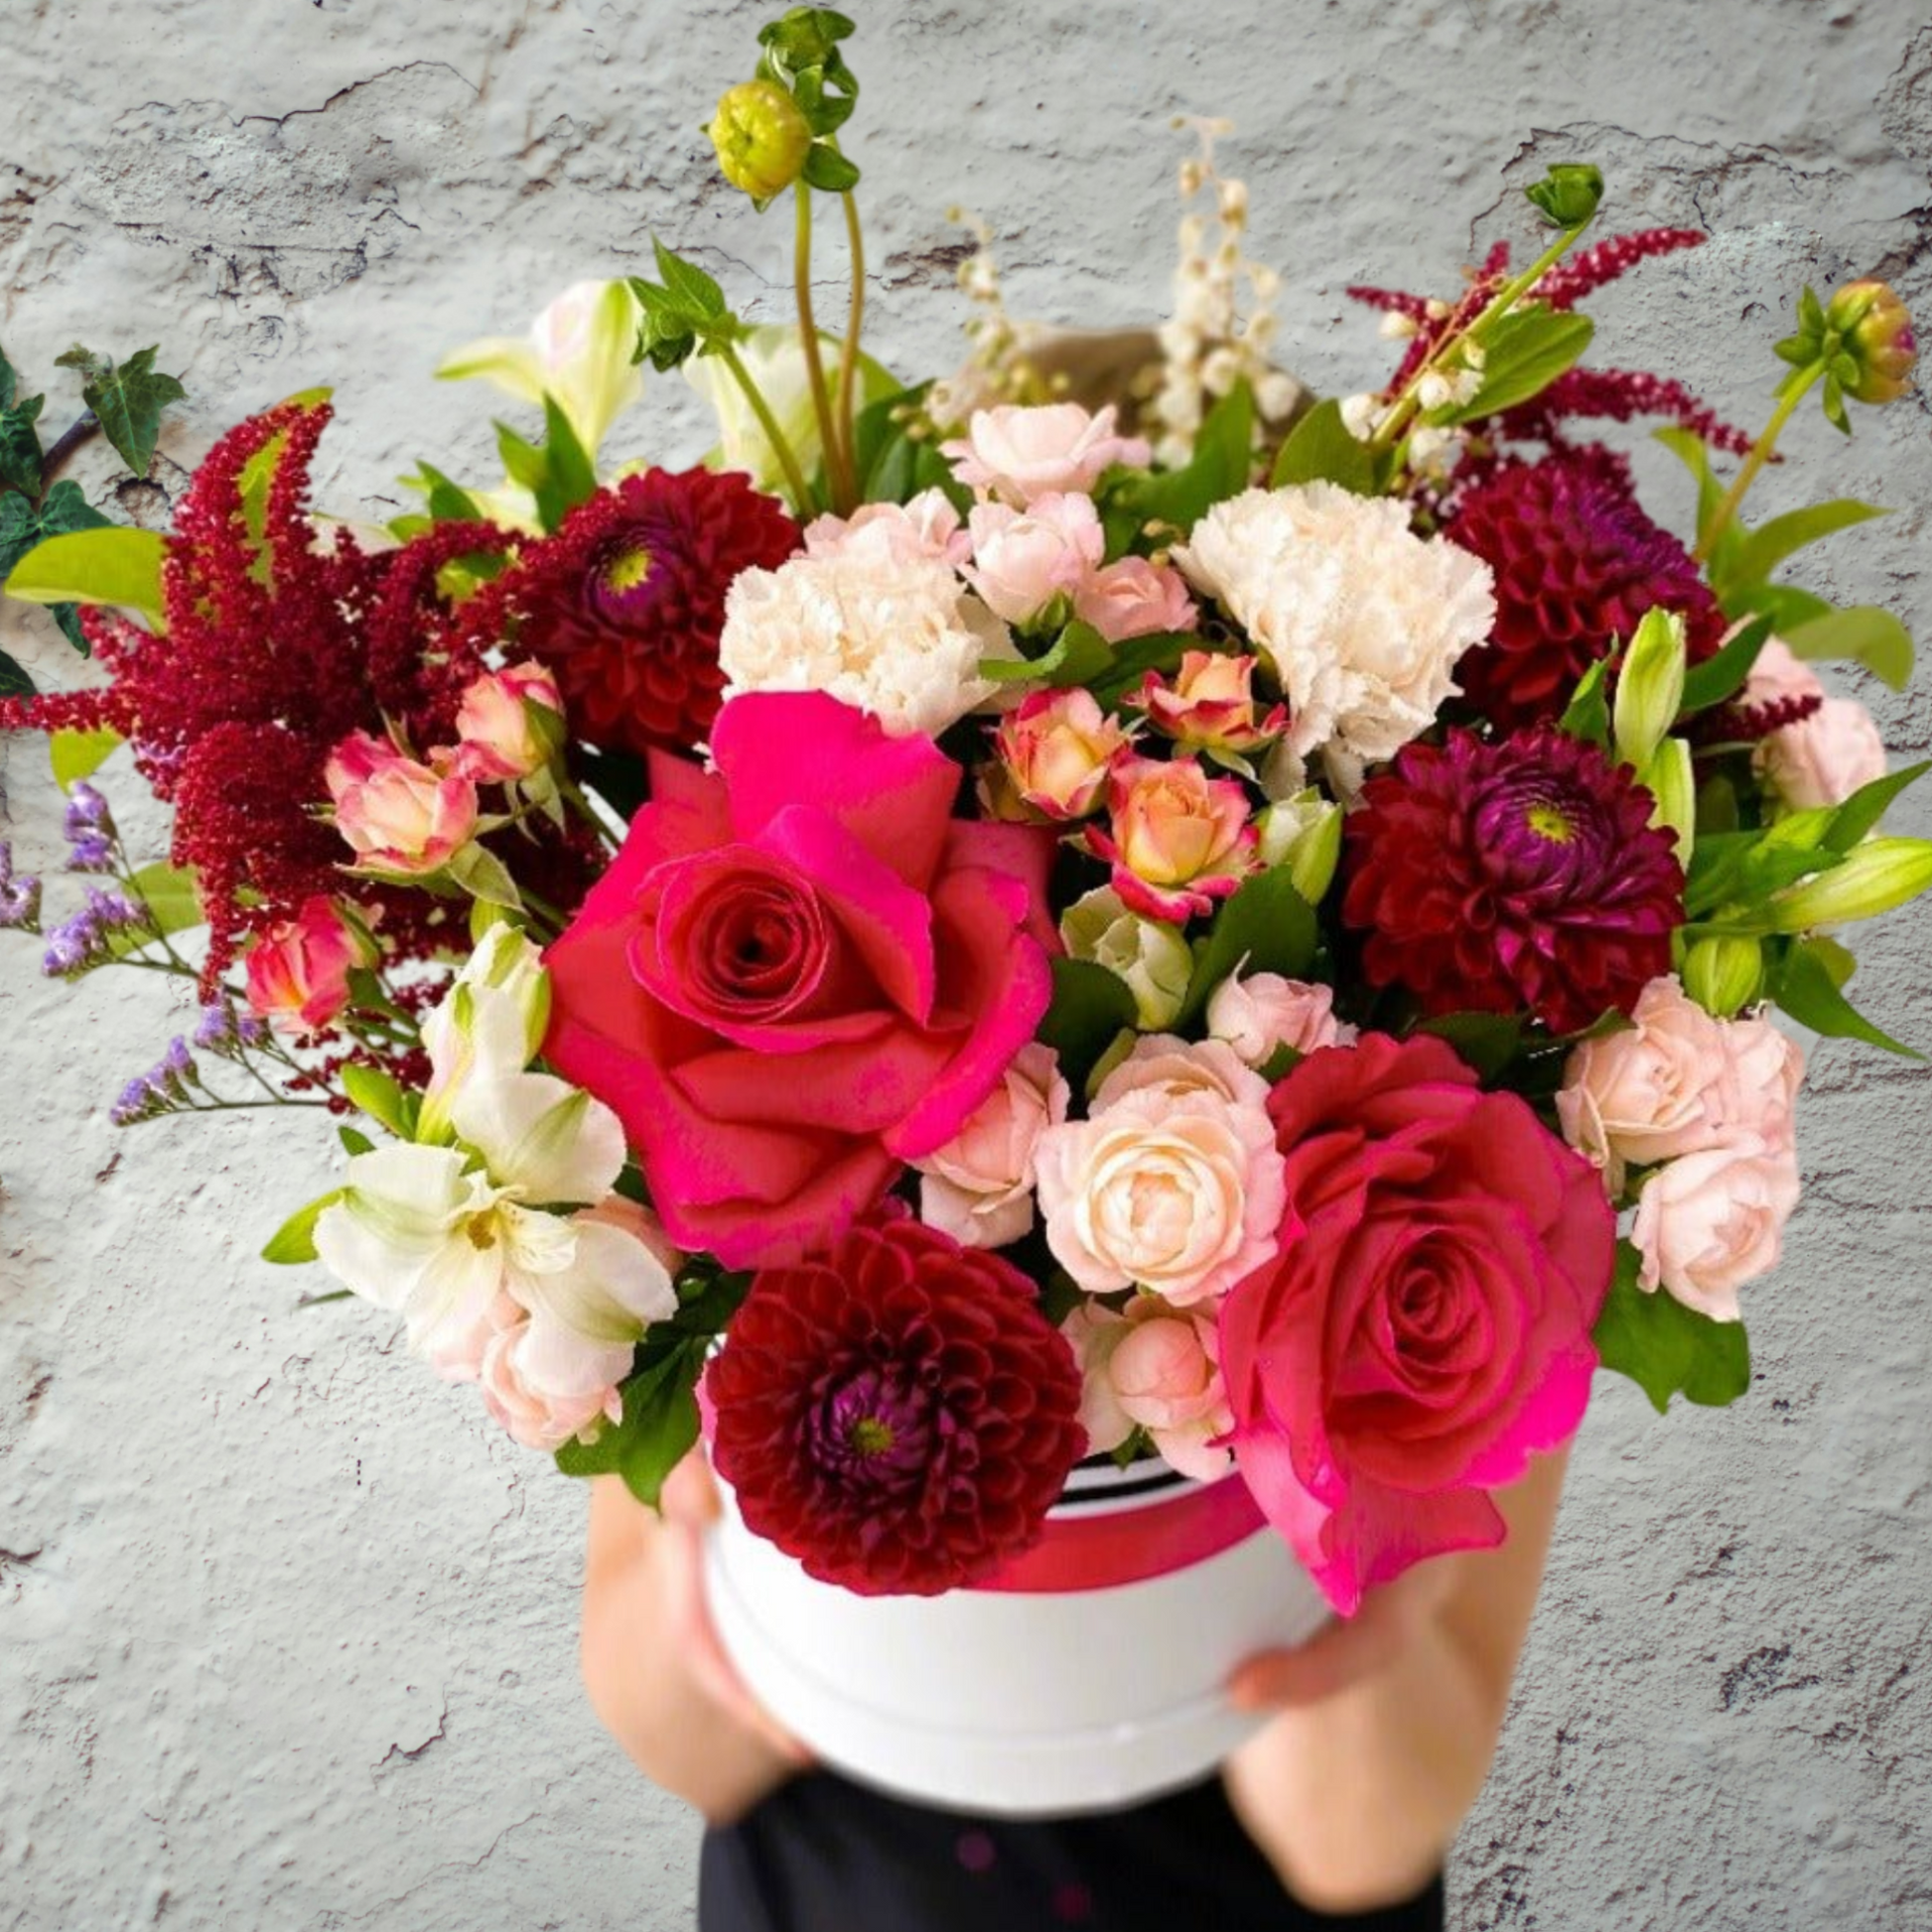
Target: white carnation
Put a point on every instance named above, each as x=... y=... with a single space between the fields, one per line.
x=1362 y=620
x=899 y=635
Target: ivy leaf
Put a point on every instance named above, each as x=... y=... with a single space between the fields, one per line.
x=128 y=398
x=1267 y=923
x=1320 y=450
x=64 y=514
x=7 y=381
x=20 y=447
x=14 y=682
x=1666 y=1348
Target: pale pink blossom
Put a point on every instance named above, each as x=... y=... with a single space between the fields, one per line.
x=1210 y=705
x=1155 y=1368
x=1709 y=1222
x=1179 y=1192
x=1055 y=750
x=508 y=724
x=1022 y=454
x=1167 y=1063
x=1177 y=840
x=1824 y=759
x=1134 y=598
x=542 y=1386
x=1258 y=1014
x=298 y=971
x=926 y=525
x=977 y=1188
x=399 y=816
x=1023 y=560
x=1678 y=1081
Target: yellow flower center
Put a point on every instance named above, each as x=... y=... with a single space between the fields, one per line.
x=1547 y=822
x=871 y=1437
x=629 y=569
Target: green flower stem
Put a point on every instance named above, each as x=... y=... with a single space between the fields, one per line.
x=802 y=497
x=1802 y=384
x=849 y=352
x=837 y=474
x=544 y=910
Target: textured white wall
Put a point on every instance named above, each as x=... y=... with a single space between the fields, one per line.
x=288 y=1628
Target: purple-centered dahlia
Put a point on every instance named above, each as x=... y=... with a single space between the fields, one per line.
x=1523 y=874
x=897 y=1414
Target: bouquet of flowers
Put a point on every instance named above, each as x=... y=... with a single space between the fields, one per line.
x=1099 y=908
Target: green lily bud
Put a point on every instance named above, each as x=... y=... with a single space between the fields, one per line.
x=1872 y=878
x=1149 y=954
x=1649 y=687
x=762 y=138
x=1724 y=975
x=1670 y=779
x=1877 y=345
x=1304 y=833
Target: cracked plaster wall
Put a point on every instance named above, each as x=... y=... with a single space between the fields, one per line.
x=285 y=1628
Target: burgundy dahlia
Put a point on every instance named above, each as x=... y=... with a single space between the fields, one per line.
x=1494 y=877
x=1577 y=562
x=897 y=1415
x=625 y=602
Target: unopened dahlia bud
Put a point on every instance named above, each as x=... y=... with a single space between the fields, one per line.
x=1875 y=333
x=762 y=138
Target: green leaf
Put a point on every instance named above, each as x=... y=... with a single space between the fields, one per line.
x=1766 y=547
x=1666 y=1348
x=7 y=380
x=1723 y=675
x=354 y=1141
x=1130 y=661
x=1078 y=655
x=828 y=170
x=1588 y=714
x=20 y=447
x=658 y=1429
x=14 y=682
x=1691 y=449
x=382 y=1097
x=102 y=564
x=128 y=399
x=1488 y=1041
x=1867 y=634
x=572 y=472
x=1090 y=1007
x=448 y=501
x=484 y=875
x=1784 y=603
x=1320 y=450
x=294 y=1240
x=171 y=895
x=1525 y=352
x=1267 y=927
x=1862 y=812
x=1808 y=990
x=689 y=287
x=1218 y=468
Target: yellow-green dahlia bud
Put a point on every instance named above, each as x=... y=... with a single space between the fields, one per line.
x=1875 y=335
x=762 y=138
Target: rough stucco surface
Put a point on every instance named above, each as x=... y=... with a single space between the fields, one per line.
x=286 y=1629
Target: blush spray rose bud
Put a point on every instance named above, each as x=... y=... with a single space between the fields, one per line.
x=762 y=138
x=1877 y=345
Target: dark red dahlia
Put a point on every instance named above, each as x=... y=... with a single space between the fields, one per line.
x=1577 y=562
x=1524 y=875
x=899 y=1415
x=627 y=599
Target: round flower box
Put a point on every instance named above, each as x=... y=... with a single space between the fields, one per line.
x=1088 y=1674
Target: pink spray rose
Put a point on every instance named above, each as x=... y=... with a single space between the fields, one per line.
x=928 y=525
x=1210 y=706
x=1177 y=840
x=977 y=1188
x=1024 y=559
x=1258 y=1014
x=1426 y=1323
x=297 y=970
x=1158 y=1368
x=1709 y=1222
x=498 y=737
x=799 y=973
x=1134 y=598
x=1822 y=757
x=1056 y=749
x=1019 y=454
x=402 y=817
x=541 y=1385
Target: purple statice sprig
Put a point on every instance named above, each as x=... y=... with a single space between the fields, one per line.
x=162 y=1090
x=227 y=1032
x=93 y=845
x=87 y=939
x=19 y=896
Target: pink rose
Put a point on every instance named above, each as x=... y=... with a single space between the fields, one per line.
x=926 y=525
x=508 y=724
x=1157 y=1369
x=799 y=973
x=1177 y=840
x=542 y=1385
x=1056 y=749
x=297 y=970
x=1258 y=1014
x=1135 y=598
x=1168 y=1064
x=1020 y=454
x=402 y=817
x=1426 y=1323
x=1824 y=759
x=1677 y=1081
x=1210 y=705
x=977 y=1188
x=1709 y=1222
x=1024 y=559
x=1178 y=1192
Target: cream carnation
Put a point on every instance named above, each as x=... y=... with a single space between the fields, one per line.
x=884 y=629
x=1361 y=620
x=1173 y=1189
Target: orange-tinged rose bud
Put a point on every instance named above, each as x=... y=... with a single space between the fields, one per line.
x=1877 y=340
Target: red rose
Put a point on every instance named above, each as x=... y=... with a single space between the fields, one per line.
x=1427 y=1324
x=799 y=973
